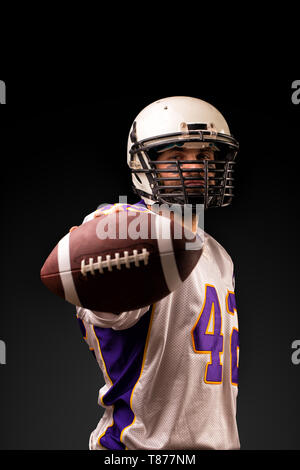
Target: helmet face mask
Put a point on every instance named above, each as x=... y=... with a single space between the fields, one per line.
x=206 y=181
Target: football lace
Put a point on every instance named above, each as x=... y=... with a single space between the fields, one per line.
x=117 y=261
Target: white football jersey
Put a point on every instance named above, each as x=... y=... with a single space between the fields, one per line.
x=170 y=369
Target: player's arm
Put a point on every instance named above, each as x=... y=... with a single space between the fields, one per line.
x=120 y=321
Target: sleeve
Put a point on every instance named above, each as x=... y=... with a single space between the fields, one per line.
x=109 y=320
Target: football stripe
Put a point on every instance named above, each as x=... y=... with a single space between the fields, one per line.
x=167 y=258
x=64 y=266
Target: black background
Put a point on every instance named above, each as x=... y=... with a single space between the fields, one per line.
x=63 y=152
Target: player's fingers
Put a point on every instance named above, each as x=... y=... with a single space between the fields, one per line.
x=73 y=228
x=117 y=209
x=111 y=210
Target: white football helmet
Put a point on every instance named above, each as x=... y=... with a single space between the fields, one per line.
x=182 y=121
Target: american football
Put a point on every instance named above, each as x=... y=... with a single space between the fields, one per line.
x=121 y=261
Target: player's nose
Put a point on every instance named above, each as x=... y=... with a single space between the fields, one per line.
x=194 y=169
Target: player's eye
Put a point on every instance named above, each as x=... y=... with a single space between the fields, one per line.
x=172 y=158
x=203 y=156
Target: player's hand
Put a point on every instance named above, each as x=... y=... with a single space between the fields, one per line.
x=116 y=208
x=111 y=210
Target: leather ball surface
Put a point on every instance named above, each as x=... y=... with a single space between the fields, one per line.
x=121 y=261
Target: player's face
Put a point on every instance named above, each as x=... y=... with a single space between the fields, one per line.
x=185 y=155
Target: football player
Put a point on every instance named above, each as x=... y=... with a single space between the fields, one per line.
x=171 y=369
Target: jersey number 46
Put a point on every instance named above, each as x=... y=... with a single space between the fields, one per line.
x=207 y=336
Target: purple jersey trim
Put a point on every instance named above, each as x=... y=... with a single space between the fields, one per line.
x=122 y=352
x=142 y=203
x=138 y=205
